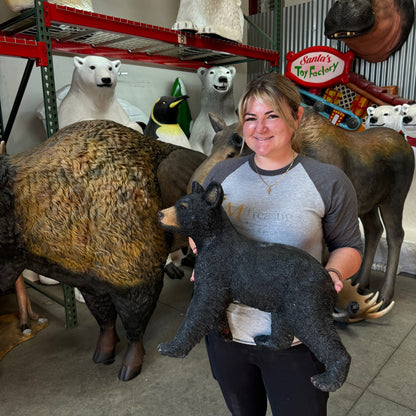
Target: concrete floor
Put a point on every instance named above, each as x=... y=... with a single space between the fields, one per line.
x=53 y=373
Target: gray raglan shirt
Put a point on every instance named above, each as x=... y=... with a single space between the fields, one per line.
x=314 y=202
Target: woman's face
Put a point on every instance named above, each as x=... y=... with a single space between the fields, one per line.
x=265 y=132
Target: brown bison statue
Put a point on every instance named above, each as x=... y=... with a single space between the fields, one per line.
x=82 y=208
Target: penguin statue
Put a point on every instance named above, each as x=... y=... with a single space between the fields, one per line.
x=163 y=125
x=163 y=122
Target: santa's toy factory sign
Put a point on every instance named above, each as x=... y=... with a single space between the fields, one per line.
x=318 y=66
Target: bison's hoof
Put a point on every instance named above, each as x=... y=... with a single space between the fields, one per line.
x=132 y=361
x=127 y=373
x=106 y=346
x=101 y=357
x=167 y=349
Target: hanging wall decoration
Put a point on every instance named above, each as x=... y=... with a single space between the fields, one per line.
x=318 y=67
x=372 y=29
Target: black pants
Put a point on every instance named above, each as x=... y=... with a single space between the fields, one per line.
x=248 y=375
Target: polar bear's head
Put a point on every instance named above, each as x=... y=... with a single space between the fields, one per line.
x=217 y=79
x=409 y=120
x=95 y=73
x=384 y=116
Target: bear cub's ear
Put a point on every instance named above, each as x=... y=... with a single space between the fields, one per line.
x=197 y=188
x=214 y=194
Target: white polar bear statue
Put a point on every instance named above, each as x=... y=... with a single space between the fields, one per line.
x=92 y=93
x=215 y=17
x=216 y=97
x=408 y=123
x=134 y=113
x=384 y=116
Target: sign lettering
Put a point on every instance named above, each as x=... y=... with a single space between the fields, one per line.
x=318 y=67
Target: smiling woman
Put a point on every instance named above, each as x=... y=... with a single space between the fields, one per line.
x=269 y=124
x=268 y=136
x=279 y=196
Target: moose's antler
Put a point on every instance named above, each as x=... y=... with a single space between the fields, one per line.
x=369 y=308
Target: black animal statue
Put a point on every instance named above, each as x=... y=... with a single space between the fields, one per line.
x=380 y=165
x=82 y=208
x=289 y=283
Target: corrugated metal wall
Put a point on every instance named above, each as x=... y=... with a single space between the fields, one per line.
x=302 y=26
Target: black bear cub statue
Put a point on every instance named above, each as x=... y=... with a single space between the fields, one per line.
x=283 y=280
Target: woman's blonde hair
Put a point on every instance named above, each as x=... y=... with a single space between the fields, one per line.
x=278 y=92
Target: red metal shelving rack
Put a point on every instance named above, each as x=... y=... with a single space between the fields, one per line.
x=27 y=48
x=75 y=31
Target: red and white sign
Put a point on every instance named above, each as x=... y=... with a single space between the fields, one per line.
x=318 y=66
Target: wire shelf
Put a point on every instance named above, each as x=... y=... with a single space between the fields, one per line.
x=75 y=31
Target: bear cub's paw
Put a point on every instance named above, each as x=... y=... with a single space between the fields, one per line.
x=267 y=341
x=168 y=348
x=264 y=341
x=322 y=382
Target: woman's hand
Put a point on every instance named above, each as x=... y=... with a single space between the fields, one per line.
x=342 y=264
x=192 y=245
x=194 y=250
x=338 y=285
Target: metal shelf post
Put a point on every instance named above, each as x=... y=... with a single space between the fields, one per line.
x=52 y=126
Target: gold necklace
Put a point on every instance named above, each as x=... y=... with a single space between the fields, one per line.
x=269 y=187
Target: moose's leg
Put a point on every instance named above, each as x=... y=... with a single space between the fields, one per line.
x=25 y=308
x=207 y=304
x=135 y=307
x=280 y=337
x=392 y=214
x=372 y=233
x=103 y=310
x=323 y=340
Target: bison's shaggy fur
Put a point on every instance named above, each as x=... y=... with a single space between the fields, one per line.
x=82 y=208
